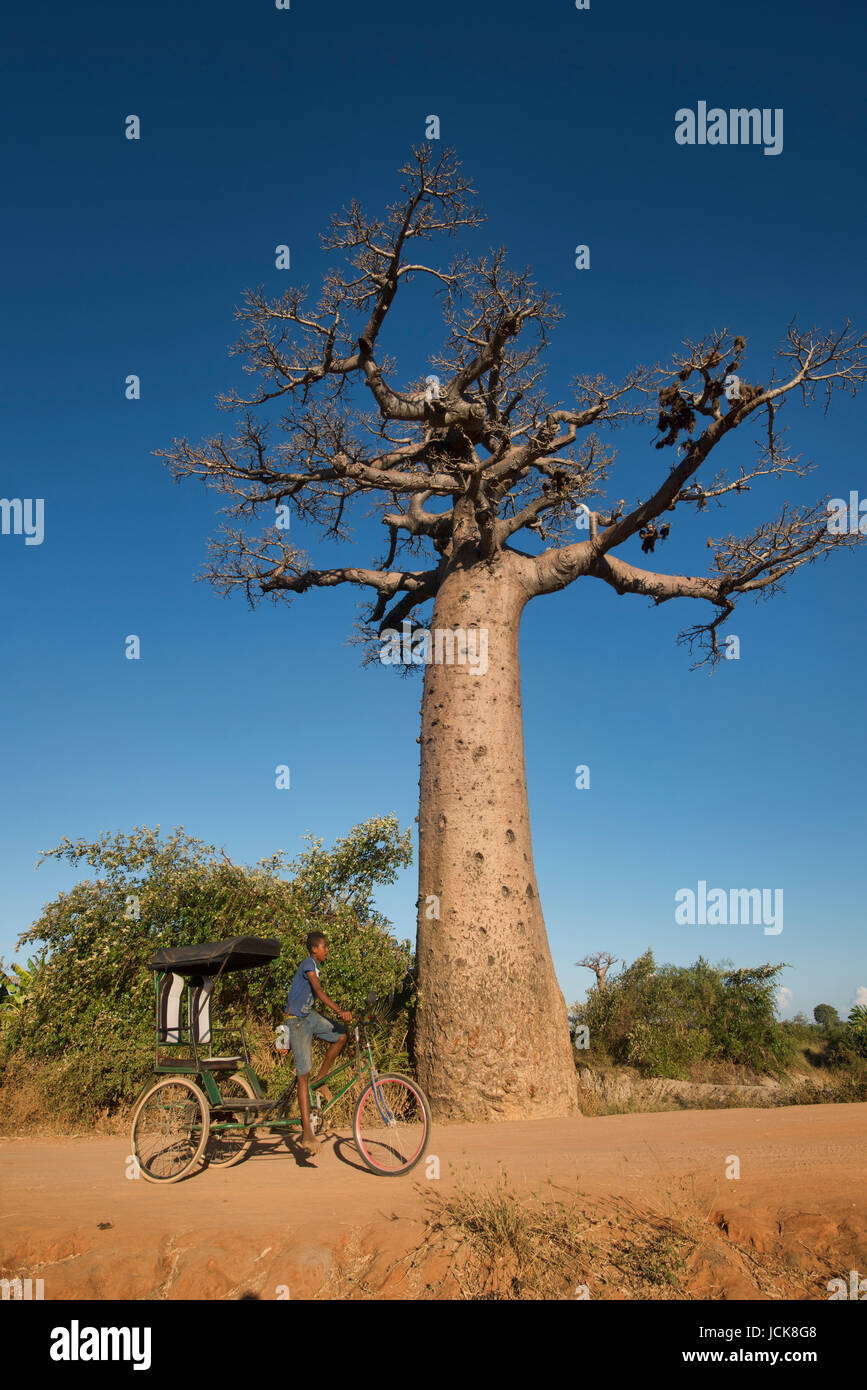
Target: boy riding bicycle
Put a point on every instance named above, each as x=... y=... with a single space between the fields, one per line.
x=304 y=1024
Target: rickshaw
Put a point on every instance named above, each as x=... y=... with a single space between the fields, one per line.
x=200 y=1109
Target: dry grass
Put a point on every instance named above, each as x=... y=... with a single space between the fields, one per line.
x=804 y=1084
x=497 y=1243
x=510 y=1246
x=23 y=1110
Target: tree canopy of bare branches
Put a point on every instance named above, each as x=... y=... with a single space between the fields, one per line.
x=458 y=465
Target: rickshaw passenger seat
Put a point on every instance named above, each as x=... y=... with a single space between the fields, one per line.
x=170 y=1027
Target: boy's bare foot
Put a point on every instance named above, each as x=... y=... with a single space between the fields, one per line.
x=309 y=1142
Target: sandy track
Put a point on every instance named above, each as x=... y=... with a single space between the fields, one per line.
x=72 y=1217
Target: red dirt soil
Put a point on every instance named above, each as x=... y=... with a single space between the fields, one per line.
x=281 y=1225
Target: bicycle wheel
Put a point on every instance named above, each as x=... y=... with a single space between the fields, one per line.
x=229 y=1146
x=170 y=1129
x=392 y=1125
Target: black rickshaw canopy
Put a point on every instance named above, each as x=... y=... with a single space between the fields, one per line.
x=216 y=957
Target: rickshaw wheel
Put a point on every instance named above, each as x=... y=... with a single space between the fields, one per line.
x=170 y=1128
x=229 y=1146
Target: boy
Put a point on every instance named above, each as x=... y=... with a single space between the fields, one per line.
x=305 y=1024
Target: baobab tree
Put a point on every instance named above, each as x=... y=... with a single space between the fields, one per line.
x=600 y=964
x=458 y=464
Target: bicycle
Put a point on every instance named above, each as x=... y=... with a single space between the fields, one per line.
x=179 y=1123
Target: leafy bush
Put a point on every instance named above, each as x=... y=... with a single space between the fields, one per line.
x=663 y=1019
x=848 y=1041
x=801 y=1030
x=85 y=1023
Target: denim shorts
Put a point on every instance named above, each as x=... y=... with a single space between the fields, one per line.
x=302 y=1031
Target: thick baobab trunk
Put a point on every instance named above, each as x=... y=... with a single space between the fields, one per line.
x=492 y=1036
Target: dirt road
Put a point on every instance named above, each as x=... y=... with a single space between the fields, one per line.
x=279 y=1225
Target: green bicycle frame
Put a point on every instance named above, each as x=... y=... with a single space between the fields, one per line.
x=260 y=1114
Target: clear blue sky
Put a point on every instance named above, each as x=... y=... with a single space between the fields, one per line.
x=129 y=257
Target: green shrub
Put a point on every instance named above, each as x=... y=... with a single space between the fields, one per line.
x=847 y=1042
x=856 y=1029
x=663 y=1019
x=802 y=1031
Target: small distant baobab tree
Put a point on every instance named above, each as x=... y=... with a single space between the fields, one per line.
x=600 y=964
x=460 y=464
